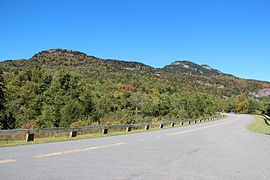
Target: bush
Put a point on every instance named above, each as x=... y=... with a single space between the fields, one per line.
x=80 y=123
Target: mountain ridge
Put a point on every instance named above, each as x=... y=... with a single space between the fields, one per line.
x=70 y=57
x=56 y=58
x=179 y=65
x=80 y=58
x=61 y=88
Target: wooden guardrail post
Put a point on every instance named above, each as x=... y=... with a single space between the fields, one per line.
x=182 y=123
x=30 y=137
x=146 y=127
x=73 y=134
x=128 y=129
x=105 y=131
x=161 y=125
x=189 y=122
x=172 y=124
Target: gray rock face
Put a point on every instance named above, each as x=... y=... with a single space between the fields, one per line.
x=262 y=93
x=192 y=68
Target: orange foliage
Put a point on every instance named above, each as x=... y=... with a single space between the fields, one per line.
x=129 y=87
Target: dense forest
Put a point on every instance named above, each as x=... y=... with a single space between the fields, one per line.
x=63 y=88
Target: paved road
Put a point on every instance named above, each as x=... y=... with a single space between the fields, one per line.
x=223 y=149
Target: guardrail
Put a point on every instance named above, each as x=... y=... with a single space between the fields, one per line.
x=266 y=119
x=30 y=133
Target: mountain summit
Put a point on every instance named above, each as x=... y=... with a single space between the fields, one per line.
x=189 y=67
x=63 y=57
x=59 y=52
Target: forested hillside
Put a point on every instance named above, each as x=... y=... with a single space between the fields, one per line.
x=62 y=88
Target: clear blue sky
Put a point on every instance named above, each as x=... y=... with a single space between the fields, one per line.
x=230 y=35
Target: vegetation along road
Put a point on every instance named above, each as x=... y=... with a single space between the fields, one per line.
x=222 y=149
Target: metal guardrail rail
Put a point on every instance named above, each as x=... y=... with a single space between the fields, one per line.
x=30 y=133
x=266 y=119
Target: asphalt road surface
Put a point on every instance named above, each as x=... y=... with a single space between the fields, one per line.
x=222 y=149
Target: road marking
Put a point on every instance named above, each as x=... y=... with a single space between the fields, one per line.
x=4 y=161
x=197 y=129
x=77 y=150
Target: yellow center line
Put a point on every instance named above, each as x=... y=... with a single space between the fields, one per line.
x=112 y=145
x=77 y=150
x=197 y=129
x=4 y=161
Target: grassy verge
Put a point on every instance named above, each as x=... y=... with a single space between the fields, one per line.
x=259 y=126
x=58 y=137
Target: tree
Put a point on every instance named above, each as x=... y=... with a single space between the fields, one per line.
x=7 y=120
x=266 y=106
x=268 y=110
x=242 y=103
x=2 y=94
x=255 y=107
x=2 y=101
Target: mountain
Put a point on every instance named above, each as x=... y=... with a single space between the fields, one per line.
x=60 y=88
x=59 y=52
x=63 y=57
x=183 y=72
x=192 y=68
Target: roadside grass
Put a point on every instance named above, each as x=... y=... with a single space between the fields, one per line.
x=15 y=140
x=259 y=126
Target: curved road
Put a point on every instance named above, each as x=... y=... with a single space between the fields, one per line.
x=223 y=149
